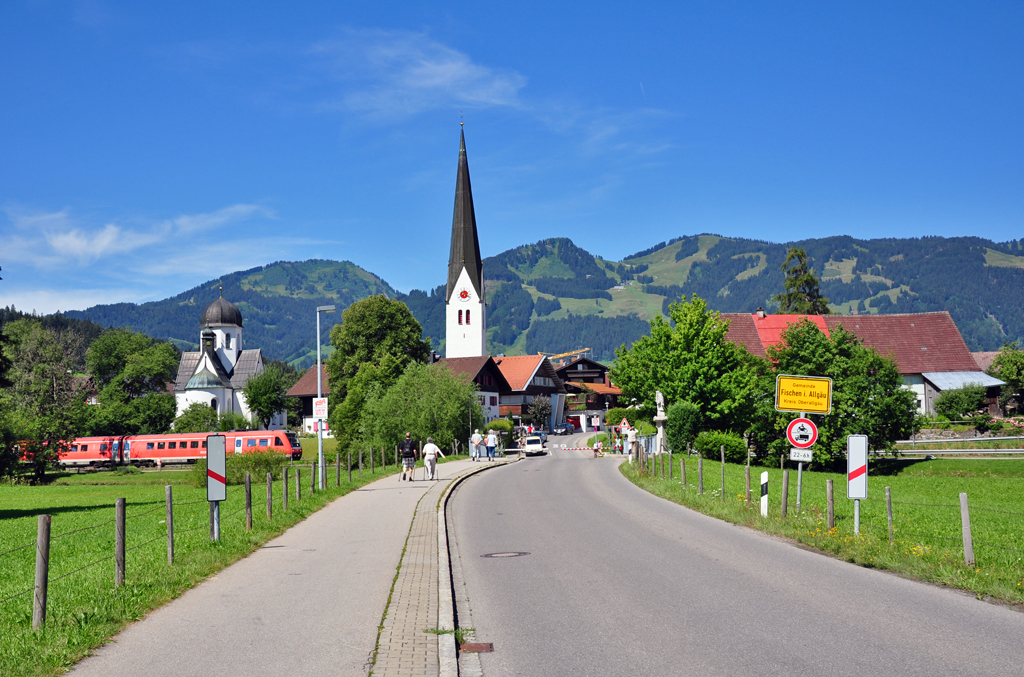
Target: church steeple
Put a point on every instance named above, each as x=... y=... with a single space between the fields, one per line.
x=465 y=251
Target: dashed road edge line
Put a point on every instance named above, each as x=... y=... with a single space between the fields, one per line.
x=448 y=661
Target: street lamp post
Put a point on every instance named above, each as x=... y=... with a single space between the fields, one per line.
x=321 y=465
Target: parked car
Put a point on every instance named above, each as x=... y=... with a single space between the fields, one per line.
x=564 y=429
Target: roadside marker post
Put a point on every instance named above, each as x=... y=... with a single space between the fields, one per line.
x=856 y=474
x=216 y=480
x=764 y=494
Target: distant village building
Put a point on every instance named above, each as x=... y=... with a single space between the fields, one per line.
x=305 y=390
x=216 y=374
x=490 y=382
x=927 y=347
x=589 y=392
x=530 y=376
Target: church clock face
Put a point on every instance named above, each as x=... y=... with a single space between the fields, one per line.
x=463 y=294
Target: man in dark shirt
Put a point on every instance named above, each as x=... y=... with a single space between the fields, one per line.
x=408 y=449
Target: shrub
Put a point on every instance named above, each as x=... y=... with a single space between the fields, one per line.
x=500 y=425
x=959 y=403
x=256 y=463
x=684 y=422
x=709 y=444
x=614 y=416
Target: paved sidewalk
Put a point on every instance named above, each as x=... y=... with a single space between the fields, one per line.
x=405 y=649
x=307 y=603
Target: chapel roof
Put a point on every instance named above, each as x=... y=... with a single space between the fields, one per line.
x=220 y=313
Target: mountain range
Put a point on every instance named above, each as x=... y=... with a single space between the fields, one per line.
x=554 y=296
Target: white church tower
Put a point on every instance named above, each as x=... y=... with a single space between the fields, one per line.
x=466 y=312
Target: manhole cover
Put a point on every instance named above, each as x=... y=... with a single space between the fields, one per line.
x=477 y=647
x=505 y=554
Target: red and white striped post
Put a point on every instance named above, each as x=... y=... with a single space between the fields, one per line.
x=856 y=474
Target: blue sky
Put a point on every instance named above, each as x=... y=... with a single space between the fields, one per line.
x=146 y=148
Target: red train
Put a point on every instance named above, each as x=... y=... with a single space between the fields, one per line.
x=171 y=448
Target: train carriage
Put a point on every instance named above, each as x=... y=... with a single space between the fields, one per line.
x=171 y=448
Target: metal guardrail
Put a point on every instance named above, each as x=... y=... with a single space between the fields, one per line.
x=957 y=440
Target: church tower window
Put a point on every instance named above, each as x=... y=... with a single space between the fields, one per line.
x=460 y=317
x=467 y=317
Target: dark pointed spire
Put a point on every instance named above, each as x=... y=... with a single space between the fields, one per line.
x=465 y=252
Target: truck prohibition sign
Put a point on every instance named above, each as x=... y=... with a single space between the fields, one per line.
x=802 y=433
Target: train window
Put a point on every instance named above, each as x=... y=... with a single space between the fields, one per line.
x=74 y=447
x=172 y=445
x=160 y=445
x=149 y=445
x=195 y=444
x=250 y=443
x=103 y=447
x=116 y=444
x=264 y=442
x=85 y=447
x=277 y=442
x=204 y=444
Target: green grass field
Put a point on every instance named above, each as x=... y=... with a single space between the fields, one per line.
x=927 y=540
x=84 y=608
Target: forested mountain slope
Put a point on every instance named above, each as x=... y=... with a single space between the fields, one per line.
x=278 y=304
x=553 y=296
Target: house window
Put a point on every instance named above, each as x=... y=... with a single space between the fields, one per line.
x=494 y=401
x=460 y=317
x=227 y=340
x=467 y=317
x=213 y=403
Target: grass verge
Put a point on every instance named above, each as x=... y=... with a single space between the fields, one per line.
x=927 y=543
x=84 y=609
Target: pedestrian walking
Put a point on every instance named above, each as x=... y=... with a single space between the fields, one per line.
x=408 y=449
x=492 y=442
x=430 y=454
x=474 y=445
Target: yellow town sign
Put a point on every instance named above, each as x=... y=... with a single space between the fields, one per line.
x=806 y=394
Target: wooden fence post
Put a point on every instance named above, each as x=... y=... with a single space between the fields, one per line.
x=348 y=456
x=284 y=489
x=888 y=509
x=312 y=477
x=360 y=464
x=670 y=466
x=270 y=496
x=298 y=484
x=965 y=522
x=700 y=475
x=337 y=469
x=831 y=505
x=371 y=461
x=42 y=572
x=682 y=470
x=169 y=500
x=785 y=493
x=119 y=520
x=248 y=502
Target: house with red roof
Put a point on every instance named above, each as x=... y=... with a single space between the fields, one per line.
x=530 y=376
x=927 y=347
x=489 y=380
x=589 y=392
x=305 y=390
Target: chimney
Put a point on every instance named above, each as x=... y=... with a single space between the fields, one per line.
x=760 y=312
x=607 y=379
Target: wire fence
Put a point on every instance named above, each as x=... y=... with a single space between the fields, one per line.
x=917 y=520
x=139 y=527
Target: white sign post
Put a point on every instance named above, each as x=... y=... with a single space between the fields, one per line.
x=216 y=479
x=764 y=494
x=856 y=474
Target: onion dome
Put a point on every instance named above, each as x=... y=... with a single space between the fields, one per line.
x=221 y=312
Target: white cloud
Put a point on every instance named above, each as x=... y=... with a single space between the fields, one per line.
x=400 y=73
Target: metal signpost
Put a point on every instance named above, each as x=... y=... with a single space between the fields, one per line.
x=802 y=434
x=802 y=394
x=216 y=479
x=856 y=474
x=321 y=463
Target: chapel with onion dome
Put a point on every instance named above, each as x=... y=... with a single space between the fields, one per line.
x=216 y=374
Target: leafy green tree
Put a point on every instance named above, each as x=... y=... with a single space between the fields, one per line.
x=197 y=418
x=868 y=397
x=1009 y=367
x=370 y=329
x=540 y=411
x=688 y=360
x=372 y=381
x=292 y=404
x=803 y=293
x=709 y=445
x=48 y=402
x=683 y=424
x=264 y=393
x=233 y=420
x=426 y=400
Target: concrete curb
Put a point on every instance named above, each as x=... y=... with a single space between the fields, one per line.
x=448 y=660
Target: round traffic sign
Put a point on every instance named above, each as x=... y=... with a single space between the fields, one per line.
x=802 y=433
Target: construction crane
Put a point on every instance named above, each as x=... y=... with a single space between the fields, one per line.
x=552 y=356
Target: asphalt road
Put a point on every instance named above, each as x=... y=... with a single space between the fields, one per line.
x=619 y=582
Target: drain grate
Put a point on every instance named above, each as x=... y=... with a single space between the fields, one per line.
x=477 y=647
x=505 y=554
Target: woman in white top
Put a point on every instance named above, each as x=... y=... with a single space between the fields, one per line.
x=430 y=454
